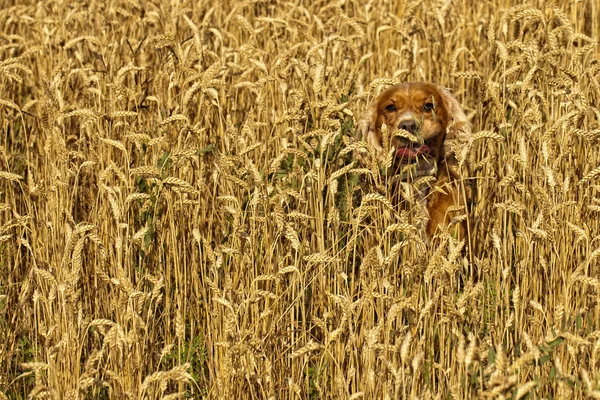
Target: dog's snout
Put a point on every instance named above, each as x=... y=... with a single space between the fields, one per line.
x=409 y=126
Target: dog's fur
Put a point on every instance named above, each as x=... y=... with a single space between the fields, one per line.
x=432 y=128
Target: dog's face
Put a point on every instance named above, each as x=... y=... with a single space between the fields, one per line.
x=422 y=120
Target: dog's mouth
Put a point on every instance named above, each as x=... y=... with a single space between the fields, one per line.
x=411 y=154
x=414 y=161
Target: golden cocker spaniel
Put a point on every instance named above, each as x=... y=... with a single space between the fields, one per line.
x=426 y=127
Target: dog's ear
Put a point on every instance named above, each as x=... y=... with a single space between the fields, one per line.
x=457 y=143
x=369 y=127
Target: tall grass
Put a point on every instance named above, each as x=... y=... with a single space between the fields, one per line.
x=187 y=211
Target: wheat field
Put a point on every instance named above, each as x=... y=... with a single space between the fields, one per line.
x=186 y=210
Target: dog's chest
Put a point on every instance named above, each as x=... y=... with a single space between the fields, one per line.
x=414 y=199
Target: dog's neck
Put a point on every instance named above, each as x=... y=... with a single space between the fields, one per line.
x=413 y=192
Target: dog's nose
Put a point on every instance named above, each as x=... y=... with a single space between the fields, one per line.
x=409 y=126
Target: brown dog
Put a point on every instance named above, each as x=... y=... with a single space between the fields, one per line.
x=431 y=127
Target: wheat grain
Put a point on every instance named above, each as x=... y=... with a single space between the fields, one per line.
x=194 y=200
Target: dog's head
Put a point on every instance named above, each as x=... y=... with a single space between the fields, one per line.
x=424 y=121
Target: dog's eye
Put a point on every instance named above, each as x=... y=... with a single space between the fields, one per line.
x=390 y=108
x=428 y=107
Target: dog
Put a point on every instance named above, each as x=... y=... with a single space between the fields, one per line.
x=430 y=136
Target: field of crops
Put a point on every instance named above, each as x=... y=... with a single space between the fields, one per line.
x=187 y=211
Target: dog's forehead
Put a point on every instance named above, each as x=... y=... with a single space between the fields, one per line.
x=410 y=92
